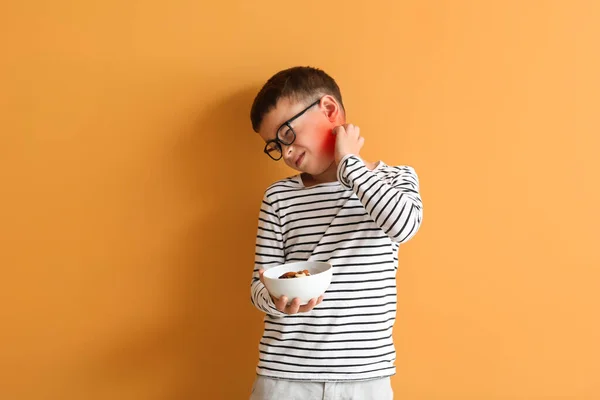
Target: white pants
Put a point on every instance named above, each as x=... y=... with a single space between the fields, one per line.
x=275 y=389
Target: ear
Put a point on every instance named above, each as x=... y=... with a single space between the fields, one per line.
x=331 y=108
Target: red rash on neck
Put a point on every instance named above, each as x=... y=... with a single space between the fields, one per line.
x=328 y=144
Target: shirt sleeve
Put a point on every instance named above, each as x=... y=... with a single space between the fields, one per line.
x=393 y=203
x=269 y=253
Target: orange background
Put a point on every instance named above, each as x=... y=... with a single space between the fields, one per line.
x=131 y=182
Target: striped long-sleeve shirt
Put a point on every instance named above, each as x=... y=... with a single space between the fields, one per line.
x=356 y=224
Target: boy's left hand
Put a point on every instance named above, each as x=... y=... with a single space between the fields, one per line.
x=294 y=307
x=347 y=141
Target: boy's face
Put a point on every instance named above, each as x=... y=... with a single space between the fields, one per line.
x=312 y=150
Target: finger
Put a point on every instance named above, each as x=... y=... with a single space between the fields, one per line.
x=281 y=303
x=319 y=300
x=340 y=129
x=308 y=306
x=293 y=308
x=260 y=275
x=361 y=141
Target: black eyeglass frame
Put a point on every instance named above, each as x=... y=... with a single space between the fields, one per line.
x=278 y=141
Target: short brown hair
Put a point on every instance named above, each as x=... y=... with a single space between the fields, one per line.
x=297 y=83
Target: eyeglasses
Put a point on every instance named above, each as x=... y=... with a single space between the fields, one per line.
x=285 y=135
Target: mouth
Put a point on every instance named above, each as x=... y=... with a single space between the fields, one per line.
x=299 y=160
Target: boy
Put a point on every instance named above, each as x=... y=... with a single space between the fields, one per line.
x=339 y=209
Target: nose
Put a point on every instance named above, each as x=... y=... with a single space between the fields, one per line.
x=287 y=151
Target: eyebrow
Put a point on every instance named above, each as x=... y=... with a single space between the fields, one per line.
x=297 y=115
x=284 y=123
x=277 y=130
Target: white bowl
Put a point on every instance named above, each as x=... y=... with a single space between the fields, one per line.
x=304 y=288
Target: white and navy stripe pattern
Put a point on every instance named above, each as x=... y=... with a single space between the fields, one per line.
x=356 y=224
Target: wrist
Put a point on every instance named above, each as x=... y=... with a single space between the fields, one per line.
x=339 y=159
x=341 y=170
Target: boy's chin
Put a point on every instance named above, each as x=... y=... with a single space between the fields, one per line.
x=316 y=171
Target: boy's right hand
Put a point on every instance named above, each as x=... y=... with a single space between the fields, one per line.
x=347 y=141
x=294 y=307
